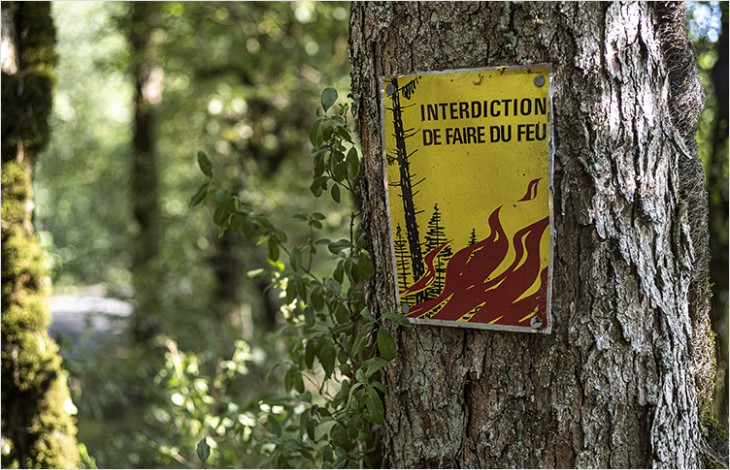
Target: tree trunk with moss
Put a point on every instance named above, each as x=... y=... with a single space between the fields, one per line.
x=625 y=376
x=37 y=428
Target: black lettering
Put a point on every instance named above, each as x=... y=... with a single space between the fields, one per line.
x=427 y=137
x=538 y=136
x=452 y=109
x=463 y=110
x=476 y=109
x=432 y=112
x=502 y=133
x=525 y=132
x=480 y=135
x=505 y=107
x=540 y=106
x=492 y=111
x=525 y=106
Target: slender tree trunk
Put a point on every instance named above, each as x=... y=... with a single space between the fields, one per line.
x=147 y=75
x=718 y=188
x=38 y=430
x=616 y=383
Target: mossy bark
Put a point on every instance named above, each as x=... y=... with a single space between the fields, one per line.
x=38 y=430
x=621 y=380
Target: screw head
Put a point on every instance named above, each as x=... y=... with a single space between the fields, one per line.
x=390 y=89
x=539 y=80
x=405 y=308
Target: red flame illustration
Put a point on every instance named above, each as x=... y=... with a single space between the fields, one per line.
x=472 y=287
x=531 y=190
x=430 y=275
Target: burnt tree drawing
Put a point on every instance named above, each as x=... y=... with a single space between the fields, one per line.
x=473 y=237
x=435 y=236
x=406 y=183
x=402 y=257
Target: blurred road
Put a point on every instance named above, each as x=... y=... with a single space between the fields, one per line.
x=85 y=318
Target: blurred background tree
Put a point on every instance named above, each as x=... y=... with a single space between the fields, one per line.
x=708 y=29
x=239 y=79
x=242 y=81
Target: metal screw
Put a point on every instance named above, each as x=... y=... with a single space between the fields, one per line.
x=405 y=308
x=390 y=89
x=539 y=80
x=535 y=323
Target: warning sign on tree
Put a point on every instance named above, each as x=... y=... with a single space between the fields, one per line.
x=468 y=157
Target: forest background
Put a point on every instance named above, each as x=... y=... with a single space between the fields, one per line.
x=156 y=366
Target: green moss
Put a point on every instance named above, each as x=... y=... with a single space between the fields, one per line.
x=716 y=440
x=39 y=32
x=37 y=427
x=27 y=104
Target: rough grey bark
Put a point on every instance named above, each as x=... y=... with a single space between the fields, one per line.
x=615 y=384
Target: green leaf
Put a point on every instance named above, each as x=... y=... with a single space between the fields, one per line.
x=309 y=353
x=317 y=299
x=386 y=344
x=222 y=196
x=315 y=134
x=291 y=292
x=375 y=406
x=378 y=386
x=220 y=216
x=336 y=193
x=203 y=449
x=397 y=318
x=365 y=312
x=342 y=315
x=293 y=379
x=318 y=185
x=339 y=245
x=329 y=96
x=339 y=273
x=365 y=266
x=340 y=172
x=327 y=454
x=273 y=250
x=373 y=365
x=204 y=163
x=318 y=165
x=199 y=195
x=295 y=258
x=353 y=164
x=326 y=356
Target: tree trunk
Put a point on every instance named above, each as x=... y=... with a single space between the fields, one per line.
x=147 y=75
x=718 y=188
x=616 y=383
x=38 y=430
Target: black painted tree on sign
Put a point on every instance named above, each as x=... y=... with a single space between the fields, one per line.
x=402 y=260
x=406 y=182
x=436 y=236
x=473 y=237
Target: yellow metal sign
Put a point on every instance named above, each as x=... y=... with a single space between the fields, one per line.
x=468 y=158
